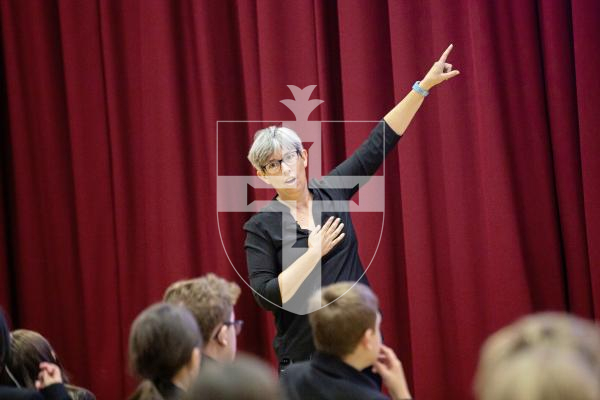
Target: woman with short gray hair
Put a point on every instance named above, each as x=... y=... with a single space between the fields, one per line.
x=267 y=141
x=287 y=224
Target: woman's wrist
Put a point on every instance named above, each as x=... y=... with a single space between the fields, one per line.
x=314 y=252
x=426 y=84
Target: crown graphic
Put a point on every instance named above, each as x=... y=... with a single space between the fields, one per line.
x=301 y=106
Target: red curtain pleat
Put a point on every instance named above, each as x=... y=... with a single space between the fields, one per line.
x=116 y=113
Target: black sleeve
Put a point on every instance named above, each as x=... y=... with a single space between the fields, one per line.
x=366 y=160
x=55 y=392
x=263 y=268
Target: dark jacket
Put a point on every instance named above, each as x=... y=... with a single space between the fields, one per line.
x=326 y=377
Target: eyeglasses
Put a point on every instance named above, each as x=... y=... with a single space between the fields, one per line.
x=237 y=324
x=274 y=166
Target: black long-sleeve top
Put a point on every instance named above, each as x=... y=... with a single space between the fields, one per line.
x=273 y=228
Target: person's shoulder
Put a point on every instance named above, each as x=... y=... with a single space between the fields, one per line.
x=328 y=187
x=302 y=366
x=296 y=372
x=266 y=216
x=79 y=393
x=144 y=390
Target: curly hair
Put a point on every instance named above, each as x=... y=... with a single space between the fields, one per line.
x=209 y=298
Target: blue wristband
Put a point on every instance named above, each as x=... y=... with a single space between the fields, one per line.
x=419 y=89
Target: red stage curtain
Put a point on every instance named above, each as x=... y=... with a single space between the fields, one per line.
x=108 y=170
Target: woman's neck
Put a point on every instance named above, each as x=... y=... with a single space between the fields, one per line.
x=301 y=199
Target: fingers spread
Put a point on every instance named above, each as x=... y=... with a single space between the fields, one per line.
x=334 y=226
x=337 y=240
x=338 y=230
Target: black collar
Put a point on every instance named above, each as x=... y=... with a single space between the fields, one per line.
x=335 y=367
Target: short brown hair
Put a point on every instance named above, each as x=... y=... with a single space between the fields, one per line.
x=348 y=310
x=542 y=356
x=209 y=298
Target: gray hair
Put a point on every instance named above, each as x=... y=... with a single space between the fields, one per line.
x=269 y=140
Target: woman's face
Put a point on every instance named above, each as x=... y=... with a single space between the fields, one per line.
x=289 y=174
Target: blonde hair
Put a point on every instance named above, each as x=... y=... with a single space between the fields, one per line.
x=209 y=298
x=350 y=309
x=546 y=356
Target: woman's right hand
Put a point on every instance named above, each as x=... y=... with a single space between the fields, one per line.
x=326 y=237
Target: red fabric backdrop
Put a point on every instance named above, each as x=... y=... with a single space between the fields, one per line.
x=108 y=167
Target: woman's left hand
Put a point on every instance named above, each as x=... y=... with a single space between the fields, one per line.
x=440 y=72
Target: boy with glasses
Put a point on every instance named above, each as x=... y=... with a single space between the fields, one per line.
x=211 y=300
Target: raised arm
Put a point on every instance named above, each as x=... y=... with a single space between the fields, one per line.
x=365 y=161
x=402 y=114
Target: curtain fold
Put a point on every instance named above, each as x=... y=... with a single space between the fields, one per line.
x=117 y=119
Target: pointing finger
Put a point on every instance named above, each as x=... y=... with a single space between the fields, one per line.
x=445 y=55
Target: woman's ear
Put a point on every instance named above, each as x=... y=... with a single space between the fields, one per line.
x=261 y=175
x=304 y=154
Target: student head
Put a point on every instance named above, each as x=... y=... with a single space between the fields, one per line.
x=164 y=345
x=348 y=324
x=547 y=356
x=247 y=378
x=211 y=300
x=27 y=350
